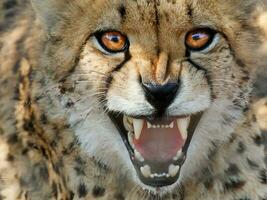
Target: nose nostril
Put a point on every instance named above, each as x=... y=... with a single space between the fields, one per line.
x=158 y=90
x=160 y=96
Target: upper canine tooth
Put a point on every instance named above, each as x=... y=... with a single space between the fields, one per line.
x=149 y=125
x=138 y=126
x=183 y=124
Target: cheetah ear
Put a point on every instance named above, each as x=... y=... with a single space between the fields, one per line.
x=48 y=11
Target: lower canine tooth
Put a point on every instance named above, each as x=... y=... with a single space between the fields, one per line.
x=183 y=125
x=146 y=171
x=138 y=156
x=173 y=170
x=179 y=153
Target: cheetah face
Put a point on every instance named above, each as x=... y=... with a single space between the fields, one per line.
x=155 y=80
x=160 y=84
x=152 y=101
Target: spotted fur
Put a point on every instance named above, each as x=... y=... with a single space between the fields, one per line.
x=56 y=141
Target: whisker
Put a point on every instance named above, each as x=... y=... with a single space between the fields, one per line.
x=225 y=80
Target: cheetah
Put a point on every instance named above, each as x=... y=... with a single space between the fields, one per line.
x=130 y=99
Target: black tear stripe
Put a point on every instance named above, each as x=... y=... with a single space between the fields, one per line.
x=198 y=67
x=108 y=81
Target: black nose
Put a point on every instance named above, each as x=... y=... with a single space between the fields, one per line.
x=160 y=96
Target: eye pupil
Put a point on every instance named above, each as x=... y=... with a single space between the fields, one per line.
x=195 y=37
x=199 y=36
x=113 y=38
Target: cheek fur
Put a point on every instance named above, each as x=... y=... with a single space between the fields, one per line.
x=193 y=96
x=228 y=77
x=97 y=69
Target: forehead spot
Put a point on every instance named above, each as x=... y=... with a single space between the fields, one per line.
x=122 y=11
x=189 y=10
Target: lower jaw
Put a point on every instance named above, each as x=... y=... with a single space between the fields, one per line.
x=161 y=174
x=161 y=179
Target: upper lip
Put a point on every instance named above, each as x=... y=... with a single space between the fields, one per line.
x=153 y=116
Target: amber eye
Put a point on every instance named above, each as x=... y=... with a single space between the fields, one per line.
x=113 y=41
x=199 y=39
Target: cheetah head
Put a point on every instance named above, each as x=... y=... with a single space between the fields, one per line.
x=154 y=86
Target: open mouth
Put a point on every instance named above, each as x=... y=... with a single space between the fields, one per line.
x=157 y=147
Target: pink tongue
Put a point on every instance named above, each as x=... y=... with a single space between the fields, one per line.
x=159 y=144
